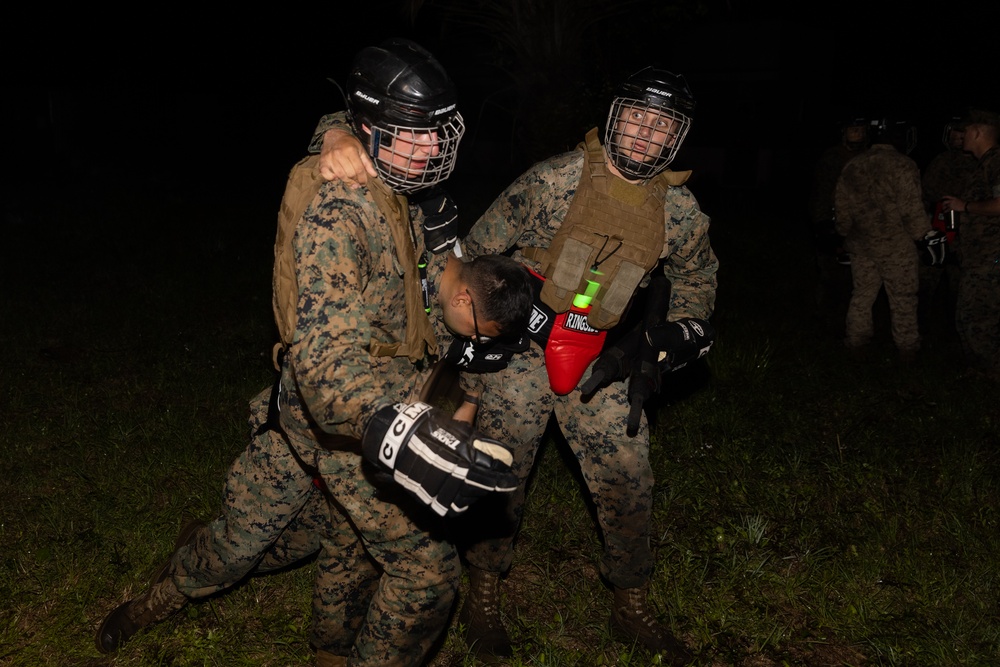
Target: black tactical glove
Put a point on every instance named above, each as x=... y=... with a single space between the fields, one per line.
x=633 y=358
x=488 y=357
x=643 y=384
x=440 y=221
x=444 y=463
x=614 y=363
x=681 y=342
x=933 y=248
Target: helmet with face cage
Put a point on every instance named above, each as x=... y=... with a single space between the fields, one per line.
x=403 y=105
x=952 y=135
x=854 y=132
x=650 y=116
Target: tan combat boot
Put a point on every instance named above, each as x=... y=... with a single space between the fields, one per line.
x=480 y=615
x=159 y=602
x=324 y=659
x=632 y=620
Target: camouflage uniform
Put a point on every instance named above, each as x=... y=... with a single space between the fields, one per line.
x=978 y=307
x=881 y=214
x=517 y=402
x=946 y=174
x=331 y=387
x=273 y=513
x=828 y=169
x=272 y=516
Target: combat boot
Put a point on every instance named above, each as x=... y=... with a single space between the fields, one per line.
x=157 y=604
x=633 y=621
x=324 y=659
x=480 y=615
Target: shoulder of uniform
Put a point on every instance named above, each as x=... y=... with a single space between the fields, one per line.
x=564 y=165
x=674 y=179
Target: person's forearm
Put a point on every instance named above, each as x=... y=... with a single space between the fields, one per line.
x=987 y=207
x=467 y=410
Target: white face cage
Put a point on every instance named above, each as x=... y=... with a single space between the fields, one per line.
x=411 y=158
x=643 y=139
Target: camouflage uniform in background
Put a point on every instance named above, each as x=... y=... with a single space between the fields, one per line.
x=828 y=168
x=274 y=515
x=978 y=307
x=946 y=174
x=517 y=402
x=881 y=214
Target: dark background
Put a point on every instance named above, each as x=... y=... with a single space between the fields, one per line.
x=216 y=108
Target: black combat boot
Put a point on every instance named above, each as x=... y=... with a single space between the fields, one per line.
x=159 y=602
x=480 y=615
x=632 y=621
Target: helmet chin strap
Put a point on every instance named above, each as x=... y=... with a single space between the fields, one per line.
x=613 y=168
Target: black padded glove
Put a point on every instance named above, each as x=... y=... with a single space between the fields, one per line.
x=681 y=342
x=933 y=248
x=488 y=357
x=444 y=463
x=440 y=221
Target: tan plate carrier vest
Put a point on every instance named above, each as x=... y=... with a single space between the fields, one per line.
x=612 y=235
x=304 y=182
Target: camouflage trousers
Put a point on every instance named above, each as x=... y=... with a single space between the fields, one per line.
x=977 y=314
x=515 y=408
x=272 y=516
x=899 y=276
x=386 y=577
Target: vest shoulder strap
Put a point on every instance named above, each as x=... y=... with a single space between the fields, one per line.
x=302 y=187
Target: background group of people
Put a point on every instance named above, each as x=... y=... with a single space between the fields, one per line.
x=930 y=237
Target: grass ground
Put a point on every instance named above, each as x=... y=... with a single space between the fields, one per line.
x=811 y=508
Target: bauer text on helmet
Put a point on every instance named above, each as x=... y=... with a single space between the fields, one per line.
x=404 y=106
x=649 y=118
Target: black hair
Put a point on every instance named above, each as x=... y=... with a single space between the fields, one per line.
x=502 y=291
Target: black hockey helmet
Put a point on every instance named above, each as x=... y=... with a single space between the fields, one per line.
x=650 y=116
x=400 y=96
